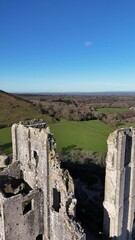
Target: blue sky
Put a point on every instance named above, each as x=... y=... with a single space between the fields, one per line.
x=67 y=45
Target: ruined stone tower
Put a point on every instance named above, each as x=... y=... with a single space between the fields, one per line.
x=37 y=200
x=119 y=202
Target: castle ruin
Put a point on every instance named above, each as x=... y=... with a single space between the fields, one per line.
x=37 y=197
x=37 y=200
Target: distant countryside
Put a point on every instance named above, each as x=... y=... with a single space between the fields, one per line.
x=79 y=123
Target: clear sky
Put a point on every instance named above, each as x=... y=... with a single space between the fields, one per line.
x=67 y=45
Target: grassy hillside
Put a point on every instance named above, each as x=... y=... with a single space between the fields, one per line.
x=89 y=135
x=14 y=109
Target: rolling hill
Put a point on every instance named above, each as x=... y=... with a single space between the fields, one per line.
x=14 y=109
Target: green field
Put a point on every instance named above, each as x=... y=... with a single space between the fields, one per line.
x=5 y=140
x=112 y=110
x=89 y=135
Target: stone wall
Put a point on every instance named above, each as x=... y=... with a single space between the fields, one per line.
x=21 y=221
x=119 y=202
x=62 y=205
x=34 y=148
x=30 y=149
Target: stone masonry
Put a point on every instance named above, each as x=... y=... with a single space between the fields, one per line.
x=37 y=199
x=119 y=202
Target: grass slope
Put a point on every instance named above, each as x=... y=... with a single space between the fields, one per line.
x=112 y=110
x=5 y=141
x=89 y=135
x=14 y=109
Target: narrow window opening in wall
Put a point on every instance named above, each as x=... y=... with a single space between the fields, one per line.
x=39 y=237
x=36 y=157
x=27 y=206
x=56 y=200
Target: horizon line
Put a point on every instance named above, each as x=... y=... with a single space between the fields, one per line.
x=66 y=92
x=74 y=92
